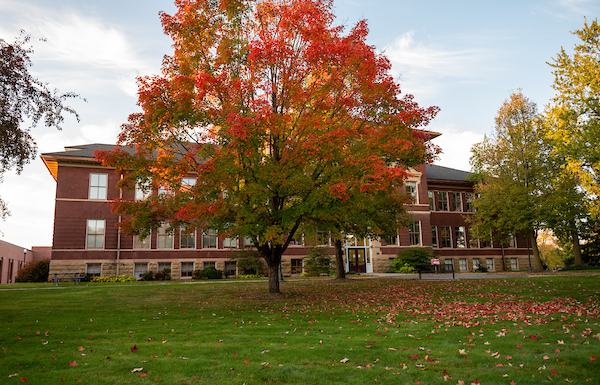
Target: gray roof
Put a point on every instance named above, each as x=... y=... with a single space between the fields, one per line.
x=86 y=150
x=446 y=174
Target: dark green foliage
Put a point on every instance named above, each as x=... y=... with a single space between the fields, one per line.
x=35 y=271
x=208 y=273
x=163 y=275
x=250 y=262
x=418 y=258
x=317 y=262
x=148 y=276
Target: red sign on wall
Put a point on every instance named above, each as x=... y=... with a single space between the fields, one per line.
x=435 y=261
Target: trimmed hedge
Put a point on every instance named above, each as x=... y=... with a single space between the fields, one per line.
x=35 y=271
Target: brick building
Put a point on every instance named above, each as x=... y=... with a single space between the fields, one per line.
x=87 y=239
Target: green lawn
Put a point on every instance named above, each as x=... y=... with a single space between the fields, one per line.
x=523 y=331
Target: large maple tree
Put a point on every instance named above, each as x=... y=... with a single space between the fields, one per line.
x=278 y=111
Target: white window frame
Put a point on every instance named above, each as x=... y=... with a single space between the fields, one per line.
x=431 y=200
x=415 y=235
x=142 y=191
x=93 y=273
x=301 y=265
x=476 y=263
x=187 y=183
x=165 y=265
x=435 y=241
x=141 y=243
x=463 y=264
x=93 y=224
x=140 y=274
x=231 y=243
x=450 y=244
x=469 y=202
x=164 y=239
x=210 y=235
x=490 y=267
x=188 y=272
x=515 y=265
x=207 y=264
x=459 y=232
x=98 y=186
x=229 y=262
x=412 y=190
x=459 y=207
x=440 y=201
x=182 y=235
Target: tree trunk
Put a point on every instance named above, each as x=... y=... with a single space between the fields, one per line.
x=536 y=252
x=274 y=277
x=339 y=260
x=576 y=248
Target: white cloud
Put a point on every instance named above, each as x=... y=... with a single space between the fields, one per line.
x=422 y=69
x=456 y=146
x=580 y=7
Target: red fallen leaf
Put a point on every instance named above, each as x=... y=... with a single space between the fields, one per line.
x=534 y=338
x=73 y=363
x=24 y=379
x=81 y=348
x=430 y=360
x=508 y=357
x=593 y=358
x=519 y=346
x=414 y=357
x=217 y=346
x=553 y=372
x=235 y=356
x=445 y=371
x=134 y=349
x=499 y=365
x=513 y=383
x=367 y=346
x=246 y=361
x=143 y=374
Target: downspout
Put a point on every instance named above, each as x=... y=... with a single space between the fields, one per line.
x=119 y=231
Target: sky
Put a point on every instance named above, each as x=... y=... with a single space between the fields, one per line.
x=465 y=57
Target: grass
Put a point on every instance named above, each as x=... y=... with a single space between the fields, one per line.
x=524 y=330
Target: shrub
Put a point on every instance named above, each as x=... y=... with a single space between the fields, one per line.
x=250 y=262
x=481 y=269
x=114 y=278
x=34 y=271
x=208 y=273
x=399 y=267
x=317 y=262
x=248 y=276
x=163 y=275
x=147 y=277
x=418 y=258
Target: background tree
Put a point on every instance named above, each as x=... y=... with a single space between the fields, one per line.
x=24 y=98
x=512 y=172
x=274 y=108
x=575 y=112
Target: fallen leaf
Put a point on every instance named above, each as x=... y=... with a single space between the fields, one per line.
x=81 y=348
x=593 y=358
x=135 y=370
x=546 y=358
x=134 y=349
x=24 y=379
x=561 y=342
x=462 y=351
x=246 y=361
x=143 y=374
x=73 y=363
x=344 y=360
x=414 y=357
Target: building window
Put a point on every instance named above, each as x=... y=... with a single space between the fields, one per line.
x=414 y=233
x=296 y=266
x=139 y=269
x=248 y=242
x=209 y=239
x=431 y=198
x=476 y=264
x=206 y=265
x=187 y=238
x=514 y=264
x=445 y=237
x=230 y=267
x=141 y=243
x=322 y=238
x=469 y=202
x=142 y=190
x=489 y=263
x=98 y=186
x=512 y=241
x=164 y=238
x=456 y=201
x=93 y=269
x=187 y=268
x=230 y=243
x=95 y=234
x=473 y=242
x=296 y=240
x=459 y=235
x=463 y=264
x=391 y=240
x=411 y=190
x=164 y=266
x=434 y=237
x=442 y=197
x=449 y=264
x=187 y=183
